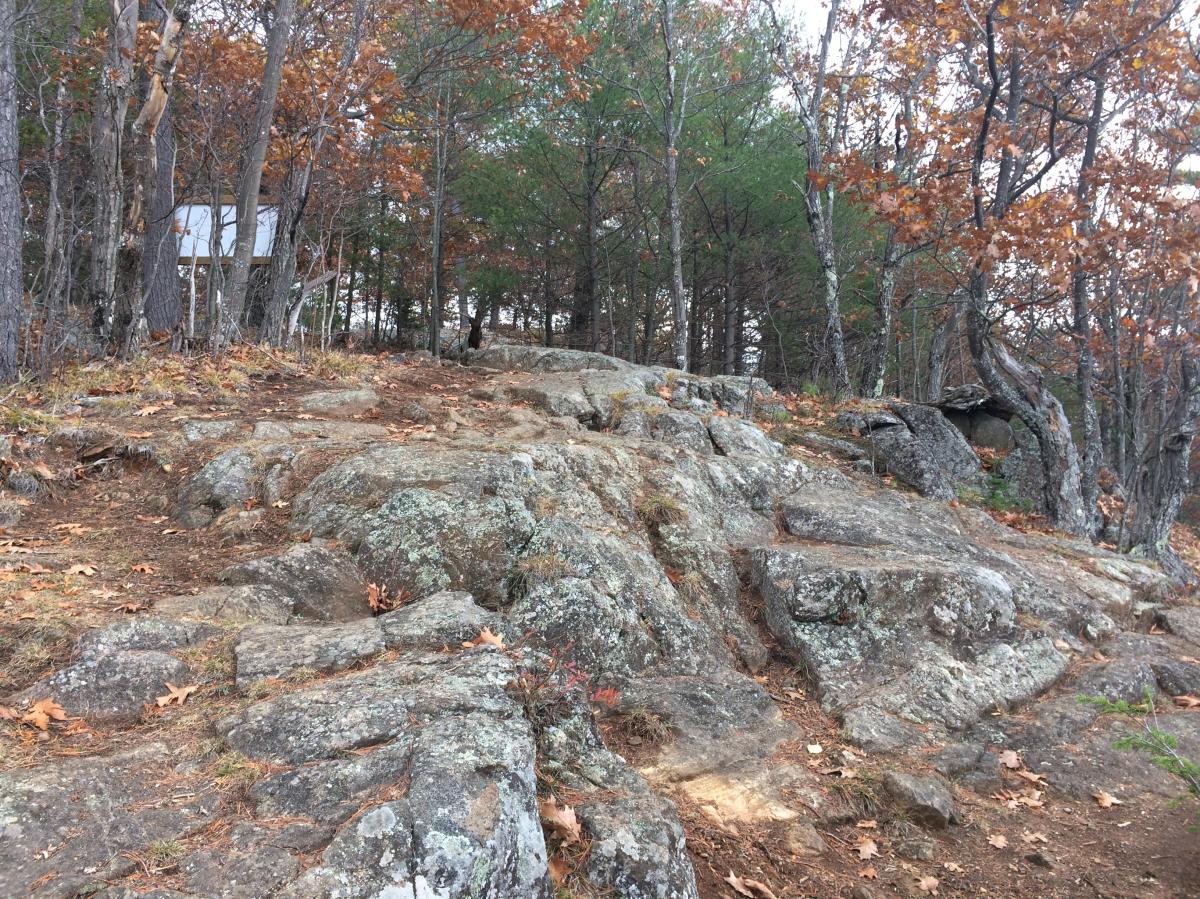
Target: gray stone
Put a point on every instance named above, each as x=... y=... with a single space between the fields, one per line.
x=991 y=432
x=144 y=633
x=423 y=541
x=927 y=799
x=110 y=687
x=1124 y=679
x=199 y=429
x=325 y=584
x=638 y=847
x=247 y=603
x=918 y=849
x=92 y=811
x=272 y=651
x=445 y=619
x=877 y=731
x=682 y=429
x=1184 y=621
x=734 y=436
x=229 y=480
x=466 y=822
x=239 y=875
x=340 y=403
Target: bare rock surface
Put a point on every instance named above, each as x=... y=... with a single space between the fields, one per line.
x=623 y=551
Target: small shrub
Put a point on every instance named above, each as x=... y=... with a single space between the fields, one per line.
x=1161 y=747
x=535 y=569
x=658 y=509
x=164 y=853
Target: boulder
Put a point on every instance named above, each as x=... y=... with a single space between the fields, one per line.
x=324 y=584
x=144 y=634
x=465 y=822
x=111 y=687
x=247 y=603
x=270 y=651
x=340 y=403
x=735 y=436
x=1183 y=621
x=919 y=446
x=926 y=799
x=446 y=619
x=682 y=429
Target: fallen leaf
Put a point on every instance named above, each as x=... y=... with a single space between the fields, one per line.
x=999 y=840
x=1031 y=777
x=85 y=570
x=1187 y=701
x=42 y=712
x=869 y=873
x=144 y=569
x=560 y=819
x=755 y=889
x=1034 y=837
x=486 y=636
x=8 y=714
x=177 y=695
x=928 y=885
x=953 y=867
x=869 y=824
x=1010 y=760
x=559 y=870
x=1106 y=800
x=147 y=410
x=867 y=849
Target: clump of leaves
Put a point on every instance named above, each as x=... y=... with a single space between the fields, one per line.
x=1161 y=747
x=656 y=509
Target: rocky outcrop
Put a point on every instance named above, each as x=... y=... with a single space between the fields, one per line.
x=918 y=446
x=623 y=556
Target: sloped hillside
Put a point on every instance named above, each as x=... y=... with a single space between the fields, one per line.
x=553 y=624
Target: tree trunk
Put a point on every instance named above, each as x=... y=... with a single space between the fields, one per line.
x=57 y=268
x=939 y=350
x=671 y=130
x=875 y=370
x=1164 y=483
x=1082 y=324
x=282 y=277
x=130 y=294
x=1022 y=391
x=112 y=107
x=160 y=266
x=12 y=304
x=252 y=168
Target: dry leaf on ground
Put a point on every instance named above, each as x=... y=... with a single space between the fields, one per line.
x=560 y=819
x=754 y=889
x=486 y=636
x=42 y=712
x=1106 y=800
x=928 y=885
x=176 y=695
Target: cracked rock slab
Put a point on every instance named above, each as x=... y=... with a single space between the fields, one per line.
x=91 y=812
x=271 y=651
